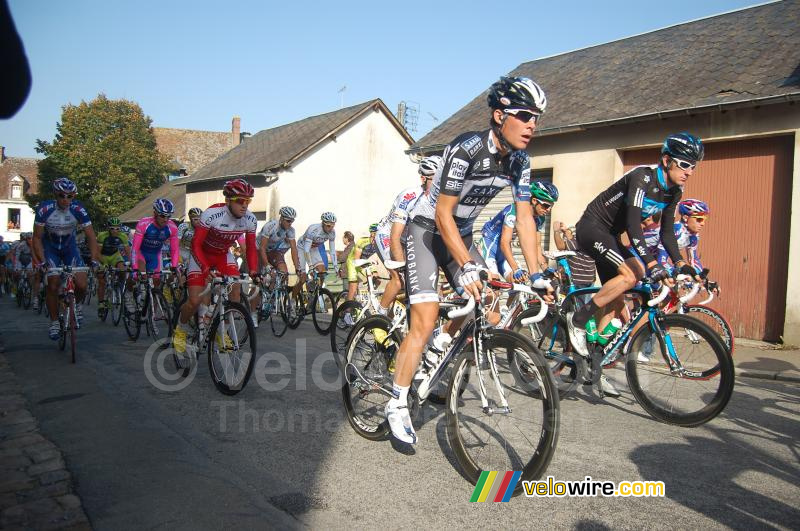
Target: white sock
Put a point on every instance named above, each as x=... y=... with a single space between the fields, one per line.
x=400 y=394
x=382 y=310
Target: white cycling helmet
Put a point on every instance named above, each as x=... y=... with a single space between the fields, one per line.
x=430 y=165
x=328 y=217
x=287 y=212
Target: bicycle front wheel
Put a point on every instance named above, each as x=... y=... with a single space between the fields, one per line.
x=26 y=296
x=116 y=305
x=369 y=357
x=158 y=317
x=344 y=319
x=322 y=314
x=716 y=321
x=231 y=348
x=130 y=318
x=293 y=310
x=689 y=395
x=277 y=316
x=521 y=437
x=72 y=329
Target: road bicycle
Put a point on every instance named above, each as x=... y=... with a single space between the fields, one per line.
x=502 y=407
x=146 y=305
x=226 y=332
x=24 y=291
x=274 y=300
x=315 y=300
x=67 y=319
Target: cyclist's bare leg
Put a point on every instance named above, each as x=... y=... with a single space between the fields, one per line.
x=193 y=300
x=423 y=317
x=610 y=299
x=392 y=289
x=81 y=281
x=53 y=282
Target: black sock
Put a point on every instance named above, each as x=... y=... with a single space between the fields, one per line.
x=583 y=315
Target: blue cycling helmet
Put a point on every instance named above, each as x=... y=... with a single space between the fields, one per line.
x=693 y=207
x=544 y=190
x=683 y=146
x=64 y=185
x=163 y=206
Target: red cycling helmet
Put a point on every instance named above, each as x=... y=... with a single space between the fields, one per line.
x=238 y=188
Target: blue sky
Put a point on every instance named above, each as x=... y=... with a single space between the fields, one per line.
x=195 y=64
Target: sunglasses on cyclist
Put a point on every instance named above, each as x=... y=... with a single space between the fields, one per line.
x=546 y=206
x=682 y=164
x=66 y=196
x=241 y=200
x=523 y=115
x=700 y=219
x=163 y=216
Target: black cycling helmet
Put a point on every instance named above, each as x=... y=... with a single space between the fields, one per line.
x=517 y=93
x=683 y=146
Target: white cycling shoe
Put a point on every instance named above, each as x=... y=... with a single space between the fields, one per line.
x=400 y=422
x=577 y=336
x=607 y=387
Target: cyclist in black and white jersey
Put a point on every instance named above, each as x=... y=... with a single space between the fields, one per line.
x=641 y=193
x=477 y=166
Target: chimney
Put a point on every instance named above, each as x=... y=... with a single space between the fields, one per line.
x=236 y=125
x=2 y=154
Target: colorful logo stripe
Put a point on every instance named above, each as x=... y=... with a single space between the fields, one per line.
x=495 y=486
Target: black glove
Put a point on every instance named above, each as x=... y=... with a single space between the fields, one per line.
x=688 y=270
x=658 y=273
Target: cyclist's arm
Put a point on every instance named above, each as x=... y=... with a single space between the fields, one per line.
x=91 y=240
x=262 y=249
x=174 y=245
x=636 y=194
x=38 y=247
x=558 y=237
x=448 y=229
x=295 y=255
x=136 y=248
x=395 y=243
x=528 y=237
x=332 y=247
x=250 y=251
x=200 y=233
x=668 y=239
x=505 y=246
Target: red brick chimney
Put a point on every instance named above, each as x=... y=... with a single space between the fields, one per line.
x=235 y=129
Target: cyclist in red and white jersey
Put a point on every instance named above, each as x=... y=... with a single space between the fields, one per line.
x=220 y=226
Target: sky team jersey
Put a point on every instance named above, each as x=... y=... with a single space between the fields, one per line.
x=401 y=206
x=314 y=236
x=474 y=172
x=640 y=193
x=150 y=239
x=59 y=225
x=277 y=237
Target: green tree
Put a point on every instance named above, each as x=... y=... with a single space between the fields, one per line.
x=107 y=147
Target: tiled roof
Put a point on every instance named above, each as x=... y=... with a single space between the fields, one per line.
x=27 y=168
x=192 y=149
x=741 y=56
x=174 y=190
x=273 y=148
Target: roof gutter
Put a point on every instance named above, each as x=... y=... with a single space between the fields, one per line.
x=270 y=176
x=766 y=100
x=573 y=128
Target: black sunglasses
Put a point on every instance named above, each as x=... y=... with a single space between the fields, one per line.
x=523 y=115
x=66 y=196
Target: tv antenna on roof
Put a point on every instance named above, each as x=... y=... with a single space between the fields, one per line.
x=341 y=96
x=435 y=119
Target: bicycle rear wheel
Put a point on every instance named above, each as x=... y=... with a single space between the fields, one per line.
x=322 y=315
x=231 y=349
x=116 y=304
x=550 y=337
x=340 y=330
x=690 y=397
x=522 y=438
x=26 y=295
x=277 y=316
x=131 y=320
x=72 y=329
x=294 y=309
x=367 y=376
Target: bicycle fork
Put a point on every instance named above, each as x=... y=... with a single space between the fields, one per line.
x=482 y=360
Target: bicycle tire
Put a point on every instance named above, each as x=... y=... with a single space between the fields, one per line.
x=191 y=339
x=532 y=462
x=158 y=316
x=62 y=333
x=17 y=297
x=716 y=321
x=322 y=313
x=116 y=304
x=277 y=317
x=649 y=379
x=132 y=321
x=41 y=298
x=340 y=331
x=295 y=309
x=364 y=355
x=565 y=364
x=72 y=330
x=26 y=296
x=87 y=297
x=220 y=365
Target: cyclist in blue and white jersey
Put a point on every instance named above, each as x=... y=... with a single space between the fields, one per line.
x=687 y=232
x=477 y=166
x=276 y=237
x=498 y=232
x=639 y=194
x=5 y=252
x=55 y=227
x=311 y=245
x=389 y=237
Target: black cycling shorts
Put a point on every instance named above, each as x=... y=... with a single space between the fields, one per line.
x=605 y=248
x=425 y=254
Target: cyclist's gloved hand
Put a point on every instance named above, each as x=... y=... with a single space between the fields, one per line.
x=255 y=276
x=539 y=282
x=658 y=273
x=520 y=275
x=468 y=275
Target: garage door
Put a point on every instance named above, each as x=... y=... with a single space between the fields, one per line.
x=745 y=243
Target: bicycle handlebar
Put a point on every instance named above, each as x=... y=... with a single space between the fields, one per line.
x=660 y=297
x=461 y=312
x=539 y=316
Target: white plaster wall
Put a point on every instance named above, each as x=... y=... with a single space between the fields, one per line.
x=26 y=219
x=791 y=324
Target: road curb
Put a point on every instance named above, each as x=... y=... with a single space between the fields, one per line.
x=36 y=488
x=780 y=376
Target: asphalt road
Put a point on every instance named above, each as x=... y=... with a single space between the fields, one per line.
x=144 y=457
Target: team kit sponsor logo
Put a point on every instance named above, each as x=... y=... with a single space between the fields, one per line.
x=473 y=145
x=458 y=169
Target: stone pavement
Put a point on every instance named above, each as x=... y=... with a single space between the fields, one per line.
x=36 y=489
x=756 y=359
